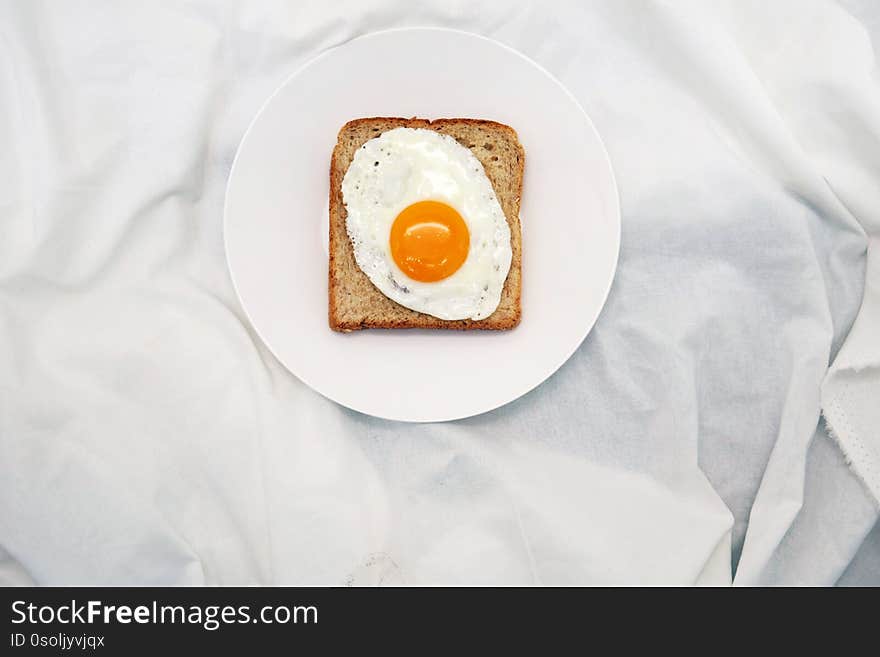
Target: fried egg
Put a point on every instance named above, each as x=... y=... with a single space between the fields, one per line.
x=426 y=224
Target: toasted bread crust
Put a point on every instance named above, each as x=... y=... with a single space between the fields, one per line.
x=354 y=302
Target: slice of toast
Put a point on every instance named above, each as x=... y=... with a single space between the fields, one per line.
x=355 y=303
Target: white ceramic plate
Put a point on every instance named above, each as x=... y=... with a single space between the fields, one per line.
x=276 y=224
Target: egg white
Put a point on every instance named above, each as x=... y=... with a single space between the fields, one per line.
x=407 y=165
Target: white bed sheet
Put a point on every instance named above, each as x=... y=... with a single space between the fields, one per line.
x=147 y=437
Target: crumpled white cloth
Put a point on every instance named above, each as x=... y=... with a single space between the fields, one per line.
x=851 y=390
x=147 y=437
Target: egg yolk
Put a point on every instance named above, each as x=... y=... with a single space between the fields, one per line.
x=429 y=241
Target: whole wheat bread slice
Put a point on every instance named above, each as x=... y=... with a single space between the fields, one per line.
x=355 y=303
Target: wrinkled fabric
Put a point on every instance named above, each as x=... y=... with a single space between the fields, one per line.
x=148 y=437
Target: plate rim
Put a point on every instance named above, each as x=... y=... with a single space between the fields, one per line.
x=615 y=212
